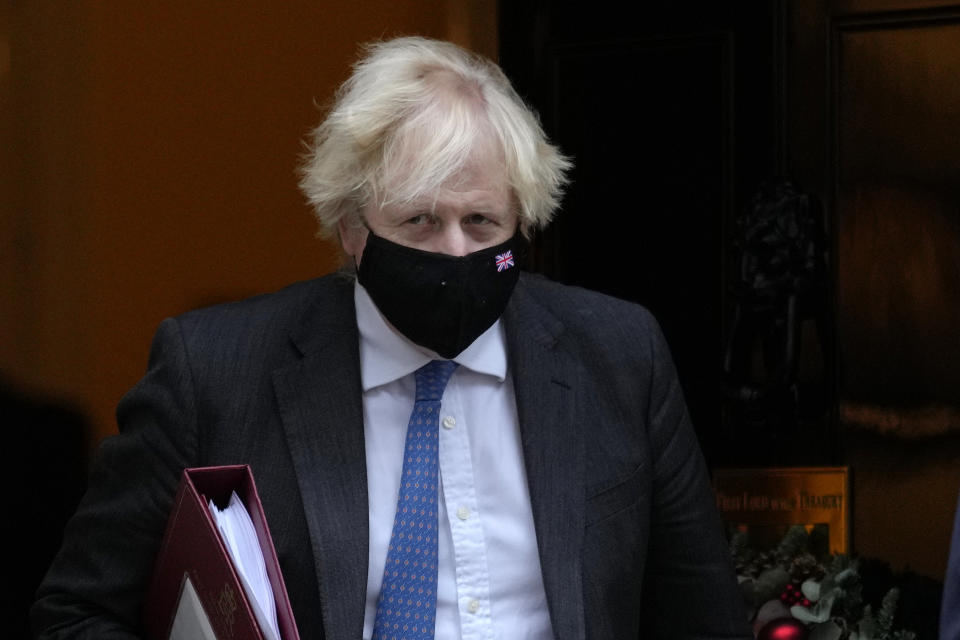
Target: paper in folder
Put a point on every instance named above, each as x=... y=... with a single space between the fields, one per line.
x=217 y=575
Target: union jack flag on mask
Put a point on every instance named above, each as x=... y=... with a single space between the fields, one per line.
x=504 y=260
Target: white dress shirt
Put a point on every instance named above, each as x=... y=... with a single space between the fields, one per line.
x=489 y=579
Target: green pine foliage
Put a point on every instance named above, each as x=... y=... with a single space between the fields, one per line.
x=764 y=574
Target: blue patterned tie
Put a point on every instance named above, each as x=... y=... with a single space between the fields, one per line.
x=407 y=606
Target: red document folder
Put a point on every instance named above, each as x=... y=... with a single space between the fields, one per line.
x=192 y=548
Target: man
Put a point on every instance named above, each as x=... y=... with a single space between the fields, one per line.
x=565 y=486
x=950 y=603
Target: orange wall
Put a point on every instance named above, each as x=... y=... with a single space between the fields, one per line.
x=148 y=165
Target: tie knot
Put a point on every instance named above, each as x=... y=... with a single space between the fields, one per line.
x=432 y=379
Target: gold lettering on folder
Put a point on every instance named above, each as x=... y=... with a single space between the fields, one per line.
x=227 y=607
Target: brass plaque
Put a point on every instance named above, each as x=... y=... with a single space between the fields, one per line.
x=768 y=501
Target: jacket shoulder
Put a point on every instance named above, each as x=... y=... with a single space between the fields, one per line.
x=580 y=309
x=598 y=329
x=264 y=328
x=289 y=302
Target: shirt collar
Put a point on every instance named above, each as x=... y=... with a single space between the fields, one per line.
x=387 y=355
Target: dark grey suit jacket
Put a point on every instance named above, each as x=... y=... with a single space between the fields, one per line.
x=630 y=542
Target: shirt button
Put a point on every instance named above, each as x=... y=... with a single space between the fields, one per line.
x=449 y=422
x=473 y=606
x=463 y=513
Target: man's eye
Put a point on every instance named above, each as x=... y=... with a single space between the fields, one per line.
x=422 y=218
x=477 y=218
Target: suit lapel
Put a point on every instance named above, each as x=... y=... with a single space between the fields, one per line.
x=321 y=404
x=545 y=377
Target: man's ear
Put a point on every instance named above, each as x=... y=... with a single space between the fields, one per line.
x=353 y=237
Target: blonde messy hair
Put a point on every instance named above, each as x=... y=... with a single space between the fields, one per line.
x=408 y=120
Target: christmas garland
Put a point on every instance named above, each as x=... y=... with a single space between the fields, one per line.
x=792 y=594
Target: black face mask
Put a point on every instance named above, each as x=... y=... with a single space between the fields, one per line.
x=439 y=301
